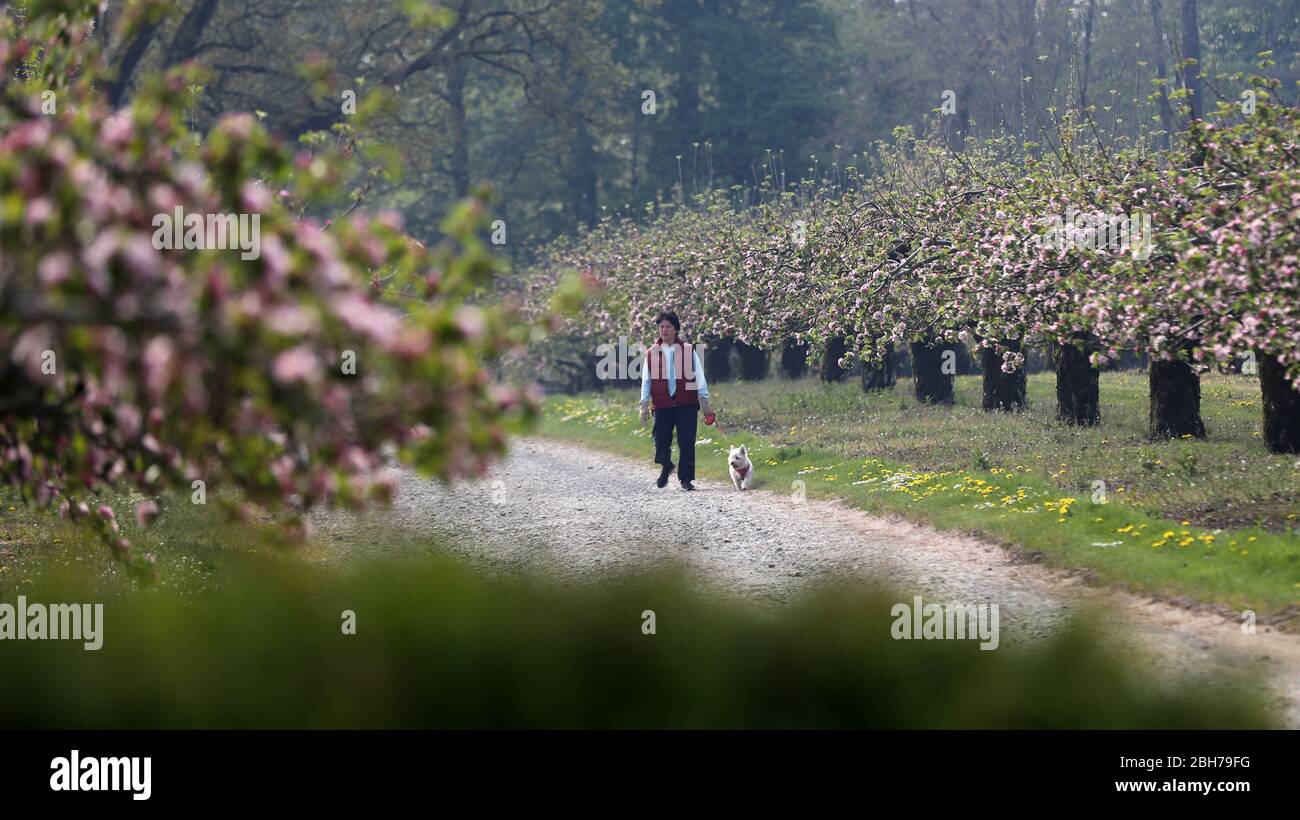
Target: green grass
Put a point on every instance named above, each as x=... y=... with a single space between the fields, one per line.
x=1210 y=521
x=195 y=547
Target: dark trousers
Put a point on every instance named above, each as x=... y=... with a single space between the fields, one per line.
x=683 y=418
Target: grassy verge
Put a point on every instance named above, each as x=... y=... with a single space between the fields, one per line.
x=1020 y=479
x=195 y=547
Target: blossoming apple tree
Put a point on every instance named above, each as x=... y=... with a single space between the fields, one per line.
x=288 y=376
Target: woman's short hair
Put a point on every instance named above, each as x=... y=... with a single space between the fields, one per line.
x=670 y=316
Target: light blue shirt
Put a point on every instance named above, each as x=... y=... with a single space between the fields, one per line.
x=702 y=392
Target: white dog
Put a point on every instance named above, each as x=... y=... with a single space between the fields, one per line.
x=742 y=469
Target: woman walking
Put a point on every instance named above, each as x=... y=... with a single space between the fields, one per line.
x=677 y=395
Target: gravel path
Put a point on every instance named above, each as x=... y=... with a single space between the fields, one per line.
x=578 y=513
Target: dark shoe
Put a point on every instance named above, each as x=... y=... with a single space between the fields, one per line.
x=686 y=485
x=663 y=475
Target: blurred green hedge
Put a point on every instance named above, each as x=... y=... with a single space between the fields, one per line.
x=441 y=645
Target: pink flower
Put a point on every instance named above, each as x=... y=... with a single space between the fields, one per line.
x=39 y=211
x=158 y=359
x=471 y=322
x=117 y=129
x=364 y=317
x=298 y=364
x=140 y=258
x=146 y=512
x=55 y=268
x=254 y=198
x=238 y=125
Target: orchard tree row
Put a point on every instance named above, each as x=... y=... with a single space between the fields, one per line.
x=1087 y=246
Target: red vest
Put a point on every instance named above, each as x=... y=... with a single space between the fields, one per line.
x=685 y=391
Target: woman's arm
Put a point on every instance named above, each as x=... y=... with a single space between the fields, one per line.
x=703 y=390
x=701 y=385
x=645 y=380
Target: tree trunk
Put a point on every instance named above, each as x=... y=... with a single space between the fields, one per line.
x=881 y=376
x=582 y=159
x=1192 y=73
x=932 y=384
x=794 y=359
x=458 y=128
x=1281 y=406
x=831 y=370
x=1087 y=53
x=131 y=58
x=1175 y=400
x=684 y=124
x=1077 y=387
x=1192 y=51
x=636 y=151
x=185 y=44
x=717 y=360
x=753 y=362
x=1002 y=391
x=1162 y=90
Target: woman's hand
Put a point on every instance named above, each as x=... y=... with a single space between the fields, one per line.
x=645 y=414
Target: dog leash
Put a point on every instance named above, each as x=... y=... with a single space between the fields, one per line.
x=720 y=430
